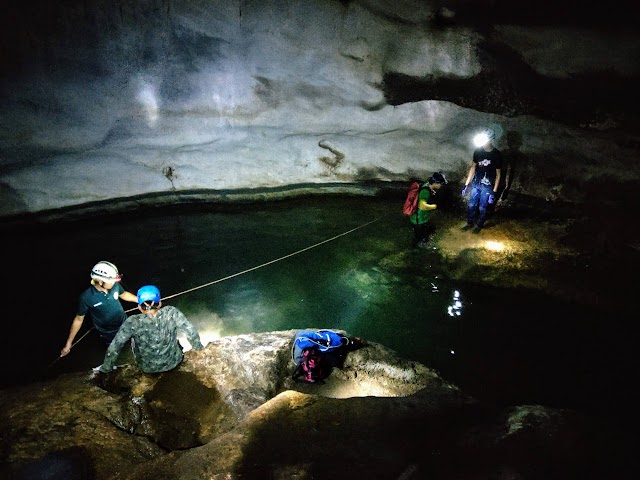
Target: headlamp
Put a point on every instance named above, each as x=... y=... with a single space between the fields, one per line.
x=480 y=139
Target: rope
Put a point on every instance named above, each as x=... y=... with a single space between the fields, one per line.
x=243 y=272
x=270 y=262
x=73 y=345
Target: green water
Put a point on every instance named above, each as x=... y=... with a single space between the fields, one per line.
x=339 y=263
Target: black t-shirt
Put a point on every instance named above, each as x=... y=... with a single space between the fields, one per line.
x=486 y=165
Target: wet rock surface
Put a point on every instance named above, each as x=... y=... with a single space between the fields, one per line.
x=579 y=253
x=233 y=411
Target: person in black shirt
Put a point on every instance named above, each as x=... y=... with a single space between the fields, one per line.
x=484 y=179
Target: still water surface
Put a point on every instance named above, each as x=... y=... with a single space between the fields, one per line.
x=507 y=346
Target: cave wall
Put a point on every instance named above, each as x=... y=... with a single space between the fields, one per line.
x=104 y=100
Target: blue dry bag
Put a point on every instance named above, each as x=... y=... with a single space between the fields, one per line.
x=323 y=340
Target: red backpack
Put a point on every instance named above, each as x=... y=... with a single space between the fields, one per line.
x=411 y=203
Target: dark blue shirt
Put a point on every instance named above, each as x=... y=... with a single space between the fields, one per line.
x=105 y=308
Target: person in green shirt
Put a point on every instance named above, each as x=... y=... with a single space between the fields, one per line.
x=154 y=335
x=422 y=229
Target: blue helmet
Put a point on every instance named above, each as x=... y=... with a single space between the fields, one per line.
x=148 y=293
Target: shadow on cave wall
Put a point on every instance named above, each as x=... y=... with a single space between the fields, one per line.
x=515 y=166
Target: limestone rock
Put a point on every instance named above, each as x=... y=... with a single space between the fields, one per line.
x=164 y=98
x=233 y=411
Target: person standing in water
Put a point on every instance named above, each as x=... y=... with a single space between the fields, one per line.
x=422 y=228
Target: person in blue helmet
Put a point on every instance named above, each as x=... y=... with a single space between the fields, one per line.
x=154 y=334
x=484 y=179
x=102 y=301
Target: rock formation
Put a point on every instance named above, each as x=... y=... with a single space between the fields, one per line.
x=233 y=411
x=107 y=100
x=110 y=104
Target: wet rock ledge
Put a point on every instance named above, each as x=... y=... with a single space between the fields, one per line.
x=232 y=411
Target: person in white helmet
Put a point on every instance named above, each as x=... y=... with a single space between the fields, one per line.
x=102 y=301
x=484 y=179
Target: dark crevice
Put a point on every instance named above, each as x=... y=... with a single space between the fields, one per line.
x=560 y=13
x=508 y=86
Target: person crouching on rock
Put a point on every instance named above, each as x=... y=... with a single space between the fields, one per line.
x=154 y=335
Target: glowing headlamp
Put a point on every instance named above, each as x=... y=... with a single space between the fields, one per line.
x=481 y=139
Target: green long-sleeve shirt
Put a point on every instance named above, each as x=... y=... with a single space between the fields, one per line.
x=422 y=216
x=154 y=340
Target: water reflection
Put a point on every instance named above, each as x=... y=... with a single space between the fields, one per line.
x=455 y=308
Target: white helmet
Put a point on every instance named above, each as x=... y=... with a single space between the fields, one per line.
x=105 y=272
x=490 y=134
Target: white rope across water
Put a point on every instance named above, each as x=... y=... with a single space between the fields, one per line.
x=270 y=262
x=247 y=270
